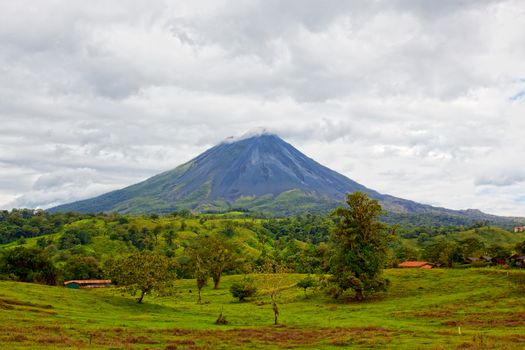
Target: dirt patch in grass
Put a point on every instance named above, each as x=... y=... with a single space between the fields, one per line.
x=433 y=313
x=490 y=319
x=178 y=344
x=47 y=312
x=141 y=339
x=5 y=306
x=46 y=328
x=292 y=337
x=484 y=342
x=514 y=338
x=10 y=304
x=15 y=338
x=285 y=337
x=55 y=336
x=56 y=340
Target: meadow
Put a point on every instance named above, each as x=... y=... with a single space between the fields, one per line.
x=423 y=309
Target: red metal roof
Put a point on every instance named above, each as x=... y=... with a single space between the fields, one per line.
x=88 y=282
x=414 y=264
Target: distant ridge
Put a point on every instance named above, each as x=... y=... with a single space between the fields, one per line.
x=262 y=173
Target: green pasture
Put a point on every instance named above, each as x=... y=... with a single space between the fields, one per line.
x=423 y=309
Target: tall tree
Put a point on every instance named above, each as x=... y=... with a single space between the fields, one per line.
x=142 y=272
x=360 y=247
x=216 y=254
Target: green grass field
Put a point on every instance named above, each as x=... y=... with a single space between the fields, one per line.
x=422 y=310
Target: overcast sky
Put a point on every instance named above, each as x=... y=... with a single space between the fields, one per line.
x=420 y=99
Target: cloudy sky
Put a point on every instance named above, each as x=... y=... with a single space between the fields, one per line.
x=420 y=99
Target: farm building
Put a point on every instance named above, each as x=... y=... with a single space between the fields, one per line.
x=519 y=229
x=416 y=265
x=76 y=284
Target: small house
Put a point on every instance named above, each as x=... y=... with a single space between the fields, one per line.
x=416 y=265
x=519 y=229
x=76 y=284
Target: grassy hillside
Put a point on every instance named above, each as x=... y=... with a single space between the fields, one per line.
x=490 y=235
x=422 y=310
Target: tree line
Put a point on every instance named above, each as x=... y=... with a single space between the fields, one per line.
x=347 y=250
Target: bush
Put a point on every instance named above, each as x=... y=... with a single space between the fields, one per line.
x=244 y=289
x=307 y=282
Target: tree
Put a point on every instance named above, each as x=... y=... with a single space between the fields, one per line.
x=273 y=282
x=82 y=268
x=28 y=265
x=228 y=230
x=305 y=283
x=44 y=242
x=156 y=232
x=471 y=247
x=142 y=272
x=499 y=253
x=73 y=237
x=442 y=252
x=201 y=276
x=360 y=247
x=404 y=252
x=520 y=247
x=216 y=254
x=244 y=289
x=169 y=237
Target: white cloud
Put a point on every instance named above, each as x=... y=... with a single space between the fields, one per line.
x=416 y=99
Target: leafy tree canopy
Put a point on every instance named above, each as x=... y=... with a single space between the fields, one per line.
x=360 y=247
x=142 y=272
x=28 y=265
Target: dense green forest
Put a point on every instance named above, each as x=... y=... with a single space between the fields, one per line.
x=80 y=245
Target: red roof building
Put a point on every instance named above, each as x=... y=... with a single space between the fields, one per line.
x=87 y=284
x=416 y=264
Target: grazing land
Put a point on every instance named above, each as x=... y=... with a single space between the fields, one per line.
x=423 y=309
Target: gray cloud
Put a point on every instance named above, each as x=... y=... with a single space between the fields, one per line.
x=505 y=177
x=419 y=99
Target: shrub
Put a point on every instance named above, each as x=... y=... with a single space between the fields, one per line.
x=307 y=282
x=244 y=289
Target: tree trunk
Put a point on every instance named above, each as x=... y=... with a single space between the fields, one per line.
x=359 y=295
x=216 y=281
x=200 y=299
x=139 y=300
x=275 y=314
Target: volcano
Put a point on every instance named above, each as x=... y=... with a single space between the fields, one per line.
x=263 y=174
